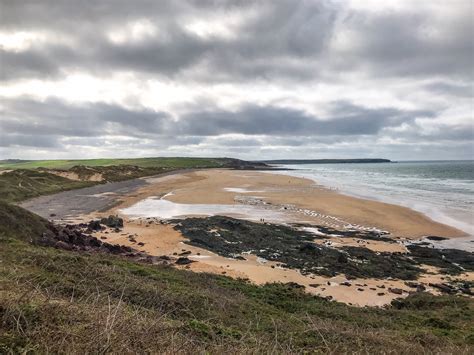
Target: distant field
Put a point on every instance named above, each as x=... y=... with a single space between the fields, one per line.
x=142 y=162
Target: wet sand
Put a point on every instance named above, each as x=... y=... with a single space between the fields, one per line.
x=74 y=203
x=308 y=202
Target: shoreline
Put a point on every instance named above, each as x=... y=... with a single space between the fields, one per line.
x=309 y=202
x=433 y=212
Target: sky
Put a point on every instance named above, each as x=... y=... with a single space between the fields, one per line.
x=247 y=79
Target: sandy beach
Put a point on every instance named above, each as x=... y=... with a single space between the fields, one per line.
x=329 y=207
x=230 y=188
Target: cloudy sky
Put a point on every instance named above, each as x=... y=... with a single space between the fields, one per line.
x=248 y=79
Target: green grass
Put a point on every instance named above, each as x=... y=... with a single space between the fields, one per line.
x=69 y=302
x=19 y=185
x=176 y=162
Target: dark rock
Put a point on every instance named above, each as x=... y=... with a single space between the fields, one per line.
x=345 y=283
x=397 y=291
x=435 y=238
x=310 y=249
x=94 y=225
x=112 y=221
x=380 y=293
x=183 y=261
x=342 y=258
x=141 y=244
x=466 y=291
x=314 y=285
x=293 y=248
x=450 y=261
x=63 y=245
x=420 y=288
x=294 y=285
x=187 y=252
x=443 y=287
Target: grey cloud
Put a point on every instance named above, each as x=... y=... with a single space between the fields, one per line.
x=29 y=140
x=446 y=88
x=407 y=44
x=267 y=46
x=459 y=132
x=165 y=57
x=257 y=120
x=55 y=117
x=58 y=118
x=286 y=40
x=279 y=43
x=31 y=64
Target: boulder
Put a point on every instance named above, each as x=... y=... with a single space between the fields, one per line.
x=444 y=288
x=397 y=291
x=94 y=225
x=112 y=221
x=183 y=261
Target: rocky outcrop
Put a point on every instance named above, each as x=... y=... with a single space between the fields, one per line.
x=72 y=237
x=112 y=221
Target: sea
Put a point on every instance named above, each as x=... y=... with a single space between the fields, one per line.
x=442 y=190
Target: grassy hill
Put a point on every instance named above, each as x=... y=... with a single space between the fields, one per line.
x=21 y=184
x=54 y=300
x=174 y=162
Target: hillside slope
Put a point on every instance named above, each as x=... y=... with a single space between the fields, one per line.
x=54 y=300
